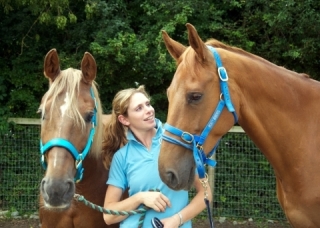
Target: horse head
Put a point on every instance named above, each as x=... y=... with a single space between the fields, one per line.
x=193 y=95
x=69 y=129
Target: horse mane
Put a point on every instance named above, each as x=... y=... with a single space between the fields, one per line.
x=218 y=44
x=68 y=81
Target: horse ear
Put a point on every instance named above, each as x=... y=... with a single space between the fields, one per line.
x=51 y=64
x=174 y=48
x=195 y=42
x=88 y=68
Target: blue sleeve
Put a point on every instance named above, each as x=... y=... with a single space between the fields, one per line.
x=117 y=175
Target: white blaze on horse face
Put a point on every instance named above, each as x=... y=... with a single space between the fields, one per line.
x=64 y=107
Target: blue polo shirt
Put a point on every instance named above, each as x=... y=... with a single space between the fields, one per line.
x=135 y=168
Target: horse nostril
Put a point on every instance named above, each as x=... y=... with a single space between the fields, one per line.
x=43 y=189
x=172 y=179
x=69 y=190
x=42 y=184
x=69 y=184
x=70 y=187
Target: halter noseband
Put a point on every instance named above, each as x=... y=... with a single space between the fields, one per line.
x=195 y=142
x=78 y=157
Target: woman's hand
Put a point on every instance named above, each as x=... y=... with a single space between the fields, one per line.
x=171 y=222
x=155 y=200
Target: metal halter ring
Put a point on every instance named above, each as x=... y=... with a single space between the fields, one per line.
x=205 y=179
x=221 y=96
x=200 y=147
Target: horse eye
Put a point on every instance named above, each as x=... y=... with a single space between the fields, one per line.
x=194 y=97
x=88 y=117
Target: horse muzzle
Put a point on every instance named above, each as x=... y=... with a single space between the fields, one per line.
x=57 y=193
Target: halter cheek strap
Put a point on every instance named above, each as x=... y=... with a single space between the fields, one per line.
x=78 y=157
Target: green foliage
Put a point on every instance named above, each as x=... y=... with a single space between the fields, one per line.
x=55 y=11
x=125 y=39
x=286 y=33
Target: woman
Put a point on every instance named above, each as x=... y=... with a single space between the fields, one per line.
x=135 y=166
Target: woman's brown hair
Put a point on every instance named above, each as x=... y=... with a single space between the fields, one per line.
x=115 y=132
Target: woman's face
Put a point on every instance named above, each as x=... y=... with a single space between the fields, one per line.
x=140 y=113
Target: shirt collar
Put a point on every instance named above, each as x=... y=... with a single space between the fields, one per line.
x=158 y=134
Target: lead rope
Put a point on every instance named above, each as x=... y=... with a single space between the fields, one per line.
x=142 y=210
x=204 y=183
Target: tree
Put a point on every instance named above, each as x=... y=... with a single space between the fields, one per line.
x=125 y=39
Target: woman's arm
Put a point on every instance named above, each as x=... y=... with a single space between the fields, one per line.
x=195 y=206
x=154 y=200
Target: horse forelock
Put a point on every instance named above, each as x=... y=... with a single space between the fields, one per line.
x=69 y=82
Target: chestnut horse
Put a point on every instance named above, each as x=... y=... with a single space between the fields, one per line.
x=277 y=108
x=71 y=129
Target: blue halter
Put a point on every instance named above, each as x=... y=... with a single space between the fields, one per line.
x=195 y=142
x=78 y=157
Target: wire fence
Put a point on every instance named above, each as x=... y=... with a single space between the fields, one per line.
x=20 y=169
x=244 y=182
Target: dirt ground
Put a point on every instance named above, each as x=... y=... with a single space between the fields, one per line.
x=32 y=223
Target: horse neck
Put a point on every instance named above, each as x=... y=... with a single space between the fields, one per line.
x=275 y=104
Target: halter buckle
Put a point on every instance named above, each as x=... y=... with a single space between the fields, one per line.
x=187 y=134
x=223 y=75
